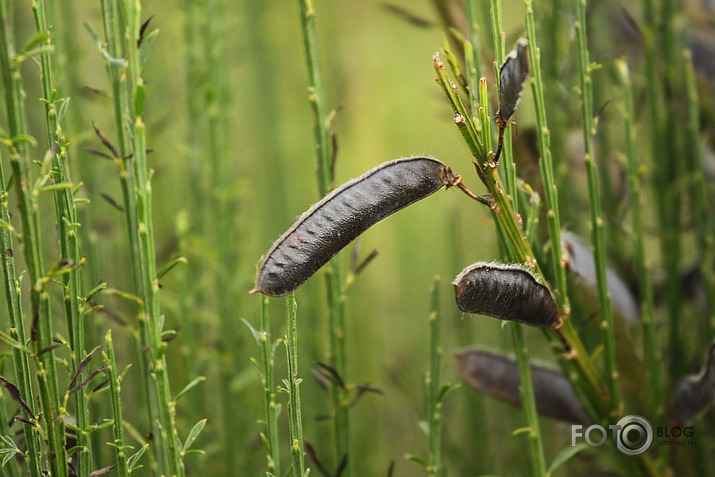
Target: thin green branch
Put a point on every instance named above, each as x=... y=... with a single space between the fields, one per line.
x=324 y=173
x=115 y=31
x=645 y=286
x=434 y=404
x=293 y=388
x=597 y=224
x=29 y=215
x=507 y=158
x=271 y=407
x=67 y=225
x=115 y=386
x=151 y=311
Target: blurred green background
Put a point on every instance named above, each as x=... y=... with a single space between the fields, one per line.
x=378 y=71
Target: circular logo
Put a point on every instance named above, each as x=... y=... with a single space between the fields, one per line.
x=634 y=435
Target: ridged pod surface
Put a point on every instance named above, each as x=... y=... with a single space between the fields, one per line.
x=343 y=215
x=506 y=292
x=498 y=376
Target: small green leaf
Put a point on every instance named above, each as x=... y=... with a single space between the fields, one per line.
x=57 y=187
x=13 y=343
x=64 y=103
x=134 y=459
x=139 y=99
x=419 y=460
x=8 y=456
x=146 y=47
x=171 y=265
x=24 y=139
x=101 y=286
x=37 y=38
x=257 y=335
x=523 y=430
x=193 y=434
x=563 y=456
x=189 y=387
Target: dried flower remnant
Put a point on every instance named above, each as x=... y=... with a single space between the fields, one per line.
x=498 y=376
x=343 y=215
x=506 y=292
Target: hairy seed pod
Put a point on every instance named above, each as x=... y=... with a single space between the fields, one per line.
x=507 y=292
x=695 y=393
x=512 y=74
x=343 y=215
x=498 y=376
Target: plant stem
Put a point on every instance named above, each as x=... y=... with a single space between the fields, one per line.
x=507 y=163
x=522 y=354
x=274 y=461
x=20 y=359
x=434 y=406
x=597 y=225
x=293 y=387
x=69 y=248
x=645 y=286
x=324 y=173
x=473 y=57
x=151 y=311
x=115 y=31
x=39 y=300
x=115 y=387
x=546 y=166
x=528 y=401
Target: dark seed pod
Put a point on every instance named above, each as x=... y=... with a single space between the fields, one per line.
x=507 y=292
x=343 y=215
x=512 y=74
x=498 y=376
x=695 y=393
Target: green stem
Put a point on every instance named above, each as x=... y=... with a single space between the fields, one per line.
x=29 y=215
x=507 y=158
x=324 y=173
x=116 y=64
x=293 y=387
x=151 y=311
x=115 y=387
x=645 y=286
x=271 y=410
x=20 y=359
x=66 y=213
x=434 y=406
x=526 y=390
x=597 y=224
x=473 y=57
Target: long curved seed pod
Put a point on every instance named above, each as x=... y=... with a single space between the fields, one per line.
x=507 y=292
x=695 y=393
x=498 y=376
x=581 y=264
x=343 y=215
